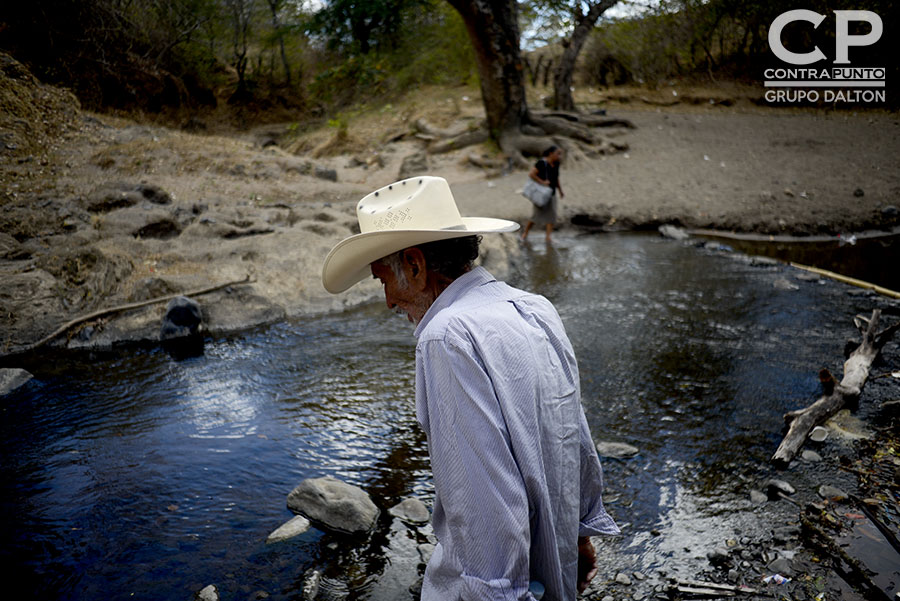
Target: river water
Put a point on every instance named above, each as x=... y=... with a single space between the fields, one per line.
x=135 y=475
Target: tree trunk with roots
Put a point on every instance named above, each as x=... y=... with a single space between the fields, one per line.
x=562 y=78
x=494 y=31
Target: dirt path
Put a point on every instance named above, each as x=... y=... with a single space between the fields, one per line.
x=759 y=171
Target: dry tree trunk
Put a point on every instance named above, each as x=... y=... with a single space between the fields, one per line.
x=836 y=395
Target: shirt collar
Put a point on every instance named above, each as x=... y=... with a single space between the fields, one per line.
x=458 y=288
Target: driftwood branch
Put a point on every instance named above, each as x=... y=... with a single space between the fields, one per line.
x=836 y=395
x=120 y=308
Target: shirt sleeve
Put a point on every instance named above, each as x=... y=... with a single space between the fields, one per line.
x=594 y=518
x=481 y=490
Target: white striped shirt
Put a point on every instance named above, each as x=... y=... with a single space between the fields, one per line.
x=516 y=475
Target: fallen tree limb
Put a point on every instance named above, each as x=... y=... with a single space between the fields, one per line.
x=120 y=308
x=848 y=280
x=836 y=395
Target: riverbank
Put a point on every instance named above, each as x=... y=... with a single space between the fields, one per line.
x=107 y=211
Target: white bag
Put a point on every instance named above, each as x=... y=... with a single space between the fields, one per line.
x=538 y=194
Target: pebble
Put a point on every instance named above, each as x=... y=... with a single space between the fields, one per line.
x=781 y=565
x=832 y=493
x=718 y=556
x=810 y=456
x=293 y=527
x=818 y=434
x=639 y=576
x=426 y=550
x=208 y=593
x=623 y=579
x=757 y=497
x=616 y=450
x=774 y=487
x=411 y=511
x=784 y=284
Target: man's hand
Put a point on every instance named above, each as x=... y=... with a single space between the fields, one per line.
x=587 y=563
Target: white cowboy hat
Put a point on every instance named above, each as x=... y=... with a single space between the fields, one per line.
x=406 y=213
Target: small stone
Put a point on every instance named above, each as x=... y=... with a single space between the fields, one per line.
x=209 y=593
x=673 y=232
x=782 y=566
x=411 y=511
x=426 y=550
x=859 y=193
x=623 y=579
x=733 y=575
x=639 y=576
x=784 y=284
x=12 y=378
x=890 y=211
x=616 y=450
x=810 y=456
x=832 y=493
x=718 y=556
x=293 y=527
x=757 y=497
x=608 y=598
x=776 y=488
x=818 y=434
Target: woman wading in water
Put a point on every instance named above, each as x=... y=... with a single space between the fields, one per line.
x=546 y=172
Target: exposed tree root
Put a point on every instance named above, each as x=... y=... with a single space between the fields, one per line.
x=572 y=132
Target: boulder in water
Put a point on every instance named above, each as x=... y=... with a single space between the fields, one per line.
x=334 y=504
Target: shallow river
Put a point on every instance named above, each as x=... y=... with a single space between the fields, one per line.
x=133 y=475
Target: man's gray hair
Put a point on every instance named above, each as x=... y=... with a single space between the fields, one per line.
x=450 y=258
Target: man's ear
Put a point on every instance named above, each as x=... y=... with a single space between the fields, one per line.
x=414 y=265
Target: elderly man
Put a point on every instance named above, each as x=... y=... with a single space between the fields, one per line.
x=517 y=481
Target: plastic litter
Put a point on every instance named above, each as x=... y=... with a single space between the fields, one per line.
x=776 y=579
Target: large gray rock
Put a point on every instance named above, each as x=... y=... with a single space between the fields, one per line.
x=336 y=505
x=12 y=378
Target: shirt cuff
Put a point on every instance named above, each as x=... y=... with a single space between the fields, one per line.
x=597 y=525
x=499 y=589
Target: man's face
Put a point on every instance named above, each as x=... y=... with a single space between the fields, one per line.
x=401 y=297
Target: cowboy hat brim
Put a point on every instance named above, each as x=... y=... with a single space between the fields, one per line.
x=348 y=262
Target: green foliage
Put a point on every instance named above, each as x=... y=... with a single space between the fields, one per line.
x=710 y=37
x=433 y=48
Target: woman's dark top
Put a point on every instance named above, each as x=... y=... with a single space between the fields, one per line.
x=548 y=172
